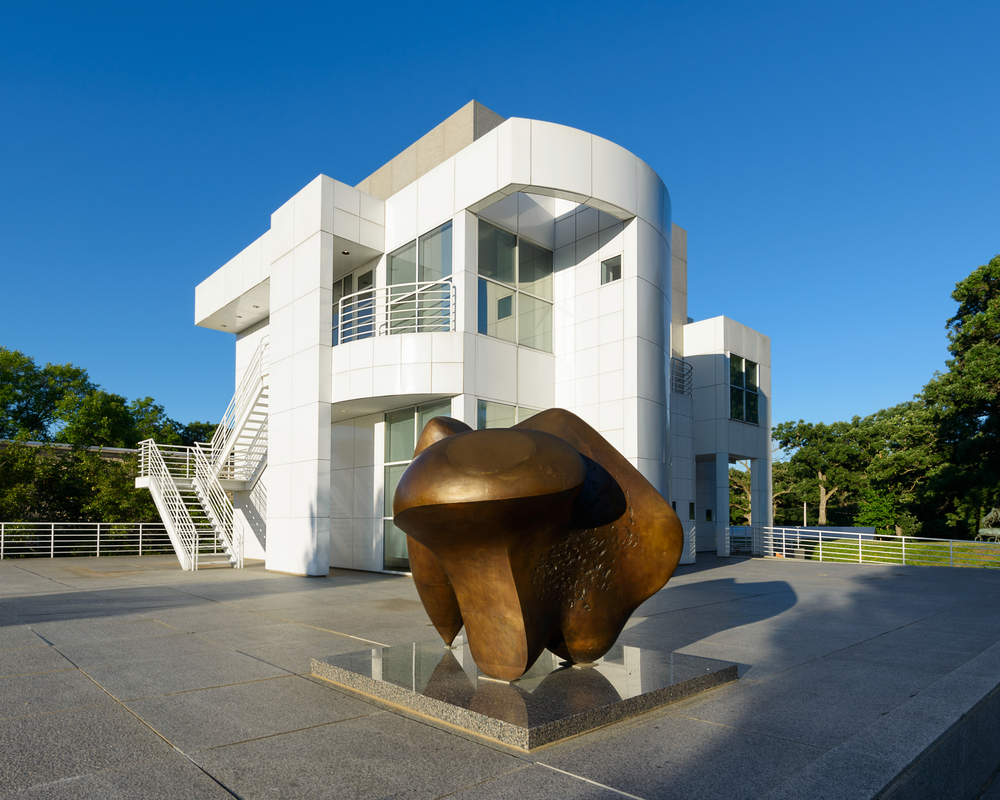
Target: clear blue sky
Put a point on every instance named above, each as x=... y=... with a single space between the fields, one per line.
x=836 y=165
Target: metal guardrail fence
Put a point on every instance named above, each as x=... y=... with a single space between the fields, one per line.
x=816 y=544
x=60 y=539
x=425 y=307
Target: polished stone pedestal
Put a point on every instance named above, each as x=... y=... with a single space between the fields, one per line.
x=552 y=701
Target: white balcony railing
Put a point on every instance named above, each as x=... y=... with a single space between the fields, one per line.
x=426 y=307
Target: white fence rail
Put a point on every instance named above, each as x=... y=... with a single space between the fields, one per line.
x=88 y=539
x=426 y=307
x=817 y=544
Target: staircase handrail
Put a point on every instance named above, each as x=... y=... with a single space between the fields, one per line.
x=179 y=522
x=217 y=505
x=254 y=457
x=246 y=393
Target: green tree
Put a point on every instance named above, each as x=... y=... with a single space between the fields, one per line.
x=40 y=484
x=111 y=495
x=966 y=401
x=825 y=464
x=98 y=419
x=740 y=495
x=876 y=509
x=30 y=396
x=151 y=422
x=60 y=403
x=198 y=432
x=786 y=507
x=901 y=456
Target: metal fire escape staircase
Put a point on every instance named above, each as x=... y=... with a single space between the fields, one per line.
x=190 y=485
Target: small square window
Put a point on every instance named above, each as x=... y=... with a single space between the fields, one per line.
x=690 y=510
x=611 y=270
x=708 y=515
x=505 y=306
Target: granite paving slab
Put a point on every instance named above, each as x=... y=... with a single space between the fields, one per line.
x=181 y=673
x=536 y=780
x=46 y=748
x=46 y=692
x=207 y=718
x=668 y=756
x=379 y=755
x=28 y=660
x=810 y=716
x=68 y=632
x=173 y=778
x=19 y=635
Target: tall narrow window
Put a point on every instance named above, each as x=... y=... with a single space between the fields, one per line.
x=418 y=302
x=515 y=289
x=402 y=428
x=611 y=270
x=744 y=395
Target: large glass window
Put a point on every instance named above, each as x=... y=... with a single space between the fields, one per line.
x=744 y=396
x=416 y=308
x=402 y=429
x=515 y=289
x=435 y=254
x=501 y=415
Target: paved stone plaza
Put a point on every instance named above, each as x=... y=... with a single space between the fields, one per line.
x=127 y=677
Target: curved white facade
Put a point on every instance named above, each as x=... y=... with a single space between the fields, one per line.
x=528 y=269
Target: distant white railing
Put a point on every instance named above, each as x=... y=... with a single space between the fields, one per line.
x=424 y=307
x=817 y=544
x=82 y=539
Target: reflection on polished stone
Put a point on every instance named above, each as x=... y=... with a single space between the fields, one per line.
x=550 y=702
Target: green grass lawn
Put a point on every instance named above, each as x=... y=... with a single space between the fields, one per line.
x=941 y=554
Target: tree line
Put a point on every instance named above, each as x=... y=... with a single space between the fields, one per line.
x=926 y=467
x=41 y=406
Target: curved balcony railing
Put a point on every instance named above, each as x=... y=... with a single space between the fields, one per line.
x=426 y=307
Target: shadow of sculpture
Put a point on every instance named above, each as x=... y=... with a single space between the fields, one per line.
x=537 y=536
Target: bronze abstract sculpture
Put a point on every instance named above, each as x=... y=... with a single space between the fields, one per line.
x=541 y=535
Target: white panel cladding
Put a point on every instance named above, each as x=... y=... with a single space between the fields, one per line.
x=436 y=196
x=615 y=174
x=535 y=378
x=247 y=343
x=476 y=171
x=561 y=158
x=355 y=493
x=401 y=218
x=496 y=370
x=513 y=153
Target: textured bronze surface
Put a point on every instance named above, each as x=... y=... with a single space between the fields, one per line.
x=540 y=535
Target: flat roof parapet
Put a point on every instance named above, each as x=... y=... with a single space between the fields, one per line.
x=471 y=122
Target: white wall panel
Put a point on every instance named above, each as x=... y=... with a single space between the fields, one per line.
x=561 y=158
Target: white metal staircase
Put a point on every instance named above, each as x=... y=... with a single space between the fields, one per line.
x=190 y=485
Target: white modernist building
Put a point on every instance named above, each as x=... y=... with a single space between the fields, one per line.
x=494 y=268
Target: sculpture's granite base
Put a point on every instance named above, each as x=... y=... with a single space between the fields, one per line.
x=551 y=702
